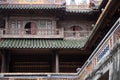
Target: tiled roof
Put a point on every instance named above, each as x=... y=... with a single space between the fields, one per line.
x=40 y=43
x=30 y=6
x=44 y=6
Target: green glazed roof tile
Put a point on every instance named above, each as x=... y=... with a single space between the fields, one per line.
x=40 y=43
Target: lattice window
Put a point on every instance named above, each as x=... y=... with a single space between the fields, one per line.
x=46 y=26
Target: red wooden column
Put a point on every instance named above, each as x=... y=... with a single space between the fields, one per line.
x=33 y=28
x=55 y=62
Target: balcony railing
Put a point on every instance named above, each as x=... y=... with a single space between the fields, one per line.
x=44 y=33
x=76 y=34
x=31 y=33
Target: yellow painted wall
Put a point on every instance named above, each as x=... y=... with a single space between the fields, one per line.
x=30 y=1
x=36 y=1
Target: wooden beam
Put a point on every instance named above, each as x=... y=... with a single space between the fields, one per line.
x=101 y=22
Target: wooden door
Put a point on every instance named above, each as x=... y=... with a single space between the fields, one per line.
x=33 y=29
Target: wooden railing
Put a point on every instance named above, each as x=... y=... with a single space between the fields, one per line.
x=77 y=34
x=38 y=76
x=44 y=33
x=31 y=33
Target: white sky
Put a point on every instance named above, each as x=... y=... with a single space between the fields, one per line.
x=78 y=1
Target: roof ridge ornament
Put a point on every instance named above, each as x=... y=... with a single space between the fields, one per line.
x=72 y=2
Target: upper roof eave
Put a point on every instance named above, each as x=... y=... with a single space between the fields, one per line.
x=44 y=6
x=31 y=6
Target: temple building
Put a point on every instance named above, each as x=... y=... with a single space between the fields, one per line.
x=54 y=40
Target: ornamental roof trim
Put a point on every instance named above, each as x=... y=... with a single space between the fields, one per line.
x=79 y=10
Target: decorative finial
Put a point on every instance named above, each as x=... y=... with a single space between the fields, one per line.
x=72 y=2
